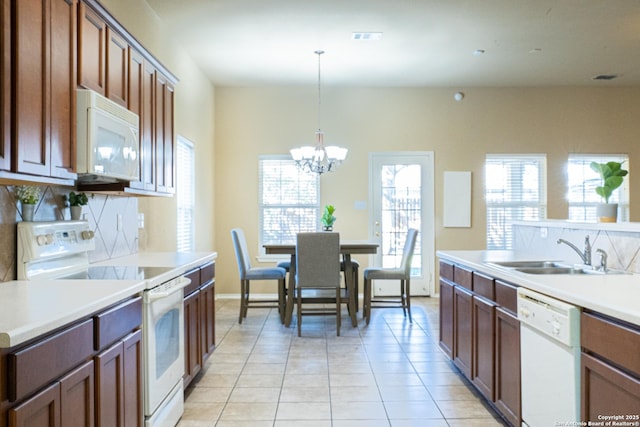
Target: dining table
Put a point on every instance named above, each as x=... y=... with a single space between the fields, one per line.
x=347 y=248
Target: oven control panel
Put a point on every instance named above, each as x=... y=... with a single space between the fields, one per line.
x=38 y=240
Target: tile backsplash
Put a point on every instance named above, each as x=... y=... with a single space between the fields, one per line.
x=112 y=218
x=621 y=242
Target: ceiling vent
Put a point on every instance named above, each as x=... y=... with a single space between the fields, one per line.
x=363 y=36
x=605 y=77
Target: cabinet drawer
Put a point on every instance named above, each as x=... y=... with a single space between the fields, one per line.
x=36 y=365
x=463 y=277
x=615 y=342
x=207 y=272
x=446 y=271
x=483 y=285
x=113 y=324
x=507 y=296
x=194 y=276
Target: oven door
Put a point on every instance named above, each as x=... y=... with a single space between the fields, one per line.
x=163 y=335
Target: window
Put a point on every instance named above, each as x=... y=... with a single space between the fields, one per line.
x=515 y=189
x=289 y=200
x=582 y=181
x=185 y=195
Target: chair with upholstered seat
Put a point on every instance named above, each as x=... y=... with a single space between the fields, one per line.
x=402 y=274
x=317 y=281
x=249 y=274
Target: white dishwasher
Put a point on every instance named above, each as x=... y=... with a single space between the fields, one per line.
x=550 y=360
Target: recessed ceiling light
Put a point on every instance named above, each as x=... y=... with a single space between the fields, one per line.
x=478 y=52
x=605 y=77
x=364 y=36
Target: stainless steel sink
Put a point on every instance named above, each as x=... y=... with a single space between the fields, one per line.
x=557 y=270
x=528 y=264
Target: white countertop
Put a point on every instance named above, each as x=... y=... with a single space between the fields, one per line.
x=29 y=309
x=616 y=295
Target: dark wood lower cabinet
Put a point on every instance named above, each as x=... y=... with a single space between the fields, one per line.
x=77 y=397
x=446 y=318
x=462 y=335
x=192 y=356
x=42 y=410
x=507 y=374
x=207 y=319
x=607 y=390
x=482 y=372
x=133 y=405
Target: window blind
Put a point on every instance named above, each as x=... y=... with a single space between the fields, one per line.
x=515 y=189
x=185 y=195
x=289 y=200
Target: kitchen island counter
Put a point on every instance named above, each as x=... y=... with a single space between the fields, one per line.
x=615 y=295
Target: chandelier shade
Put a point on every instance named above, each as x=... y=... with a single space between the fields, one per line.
x=319 y=159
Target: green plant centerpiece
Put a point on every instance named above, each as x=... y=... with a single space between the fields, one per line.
x=328 y=218
x=612 y=176
x=29 y=195
x=76 y=201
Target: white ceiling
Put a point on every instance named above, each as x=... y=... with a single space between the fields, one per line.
x=424 y=42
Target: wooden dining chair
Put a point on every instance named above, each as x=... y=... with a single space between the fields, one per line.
x=249 y=273
x=402 y=274
x=317 y=281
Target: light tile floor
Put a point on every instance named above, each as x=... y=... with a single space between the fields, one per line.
x=390 y=373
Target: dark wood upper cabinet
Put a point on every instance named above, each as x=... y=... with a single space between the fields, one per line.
x=43 y=74
x=117 y=68
x=5 y=85
x=91 y=49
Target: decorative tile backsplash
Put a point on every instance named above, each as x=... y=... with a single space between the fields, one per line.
x=113 y=219
x=540 y=240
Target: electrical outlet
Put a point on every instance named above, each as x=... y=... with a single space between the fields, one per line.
x=140 y=220
x=118 y=222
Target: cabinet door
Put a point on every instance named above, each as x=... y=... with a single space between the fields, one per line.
x=91 y=50
x=109 y=387
x=462 y=330
x=62 y=129
x=192 y=355
x=607 y=390
x=117 y=68
x=32 y=89
x=134 y=101
x=207 y=320
x=482 y=373
x=5 y=85
x=77 y=397
x=42 y=410
x=446 y=317
x=147 y=129
x=507 y=382
x=132 y=371
x=169 y=141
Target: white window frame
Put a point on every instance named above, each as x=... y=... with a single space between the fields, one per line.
x=581 y=182
x=185 y=195
x=518 y=203
x=313 y=206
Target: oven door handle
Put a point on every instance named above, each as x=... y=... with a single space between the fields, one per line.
x=178 y=284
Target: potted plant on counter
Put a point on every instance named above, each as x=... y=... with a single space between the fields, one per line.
x=612 y=176
x=29 y=195
x=327 y=218
x=76 y=201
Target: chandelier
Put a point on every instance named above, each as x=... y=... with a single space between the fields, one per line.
x=319 y=159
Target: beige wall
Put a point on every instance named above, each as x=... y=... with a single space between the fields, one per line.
x=194 y=104
x=555 y=121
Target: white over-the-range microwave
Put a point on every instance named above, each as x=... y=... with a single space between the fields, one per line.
x=107 y=140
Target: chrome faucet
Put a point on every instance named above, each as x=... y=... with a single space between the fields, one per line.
x=584 y=256
x=603 y=260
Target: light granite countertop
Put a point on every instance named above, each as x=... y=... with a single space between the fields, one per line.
x=29 y=309
x=616 y=295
